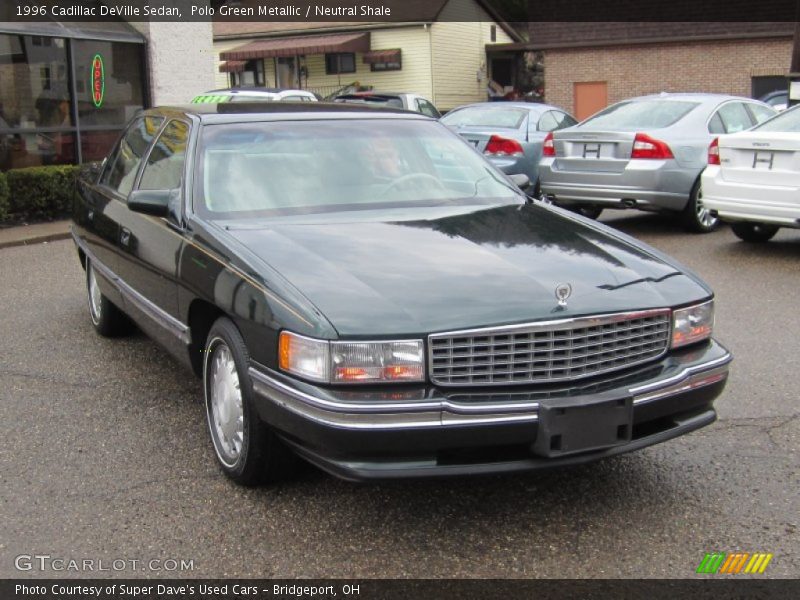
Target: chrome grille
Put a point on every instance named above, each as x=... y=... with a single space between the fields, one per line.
x=548 y=352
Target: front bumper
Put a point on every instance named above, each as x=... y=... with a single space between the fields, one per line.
x=643 y=184
x=426 y=431
x=735 y=201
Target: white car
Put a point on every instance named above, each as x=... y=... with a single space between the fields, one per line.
x=255 y=95
x=753 y=178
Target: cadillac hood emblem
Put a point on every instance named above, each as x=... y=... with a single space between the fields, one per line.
x=563 y=292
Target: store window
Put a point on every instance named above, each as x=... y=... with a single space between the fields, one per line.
x=50 y=113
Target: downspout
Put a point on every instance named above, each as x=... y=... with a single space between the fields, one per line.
x=430 y=53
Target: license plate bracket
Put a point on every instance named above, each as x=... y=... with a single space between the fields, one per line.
x=569 y=427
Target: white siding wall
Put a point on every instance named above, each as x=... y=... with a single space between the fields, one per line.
x=459 y=53
x=414 y=77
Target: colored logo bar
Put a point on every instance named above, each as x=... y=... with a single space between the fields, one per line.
x=721 y=563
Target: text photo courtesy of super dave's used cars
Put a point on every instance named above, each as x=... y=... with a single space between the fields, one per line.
x=360 y=287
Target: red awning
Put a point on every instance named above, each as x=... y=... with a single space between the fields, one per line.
x=382 y=56
x=318 y=44
x=232 y=66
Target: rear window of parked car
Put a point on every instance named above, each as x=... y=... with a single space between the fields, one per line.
x=788 y=121
x=641 y=114
x=510 y=118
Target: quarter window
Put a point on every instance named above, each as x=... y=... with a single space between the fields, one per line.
x=124 y=164
x=164 y=169
x=426 y=108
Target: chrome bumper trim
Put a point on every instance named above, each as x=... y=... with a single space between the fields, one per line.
x=441 y=412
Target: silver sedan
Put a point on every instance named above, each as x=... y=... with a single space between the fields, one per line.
x=645 y=153
x=509 y=134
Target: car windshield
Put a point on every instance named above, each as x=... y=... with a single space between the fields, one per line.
x=372 y=100
x=252 y=98
x=788 y=121
x=297 y=167
x=641 y=114
x=486 y=116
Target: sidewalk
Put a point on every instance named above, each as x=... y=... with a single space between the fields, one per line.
x=34 y=234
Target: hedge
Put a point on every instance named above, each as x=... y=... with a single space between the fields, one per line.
x=3 y=197
x=40 y=193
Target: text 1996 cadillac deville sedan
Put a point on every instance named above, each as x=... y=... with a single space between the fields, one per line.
x=362 y=287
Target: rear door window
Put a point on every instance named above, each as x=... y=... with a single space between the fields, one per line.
x=121 y=170
x=735 y=117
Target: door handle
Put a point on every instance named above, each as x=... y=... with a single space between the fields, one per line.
x=125 y=236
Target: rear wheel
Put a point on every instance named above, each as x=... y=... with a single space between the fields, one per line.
x=696 y=216
x=754 y=232
x=108 y=320
x=587 y=210
x=247 y=450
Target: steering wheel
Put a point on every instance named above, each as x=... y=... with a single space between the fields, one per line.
x=400 y=181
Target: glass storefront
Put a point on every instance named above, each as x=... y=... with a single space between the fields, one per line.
x=65 y=100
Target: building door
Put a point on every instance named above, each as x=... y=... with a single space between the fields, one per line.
x=589 y=97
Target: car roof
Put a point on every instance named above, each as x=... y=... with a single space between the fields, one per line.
x=282 y=111
x=251 y=90
x=532 y=106
x=692 y=96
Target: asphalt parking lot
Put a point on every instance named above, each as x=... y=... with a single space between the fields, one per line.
x=104 y=455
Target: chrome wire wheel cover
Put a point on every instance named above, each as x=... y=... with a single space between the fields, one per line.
x=95 y=296
x=225 y=409
x=704 y=216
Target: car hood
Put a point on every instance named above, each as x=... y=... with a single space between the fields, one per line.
x=384 y=273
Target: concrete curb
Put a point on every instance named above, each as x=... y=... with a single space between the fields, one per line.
x=38 y=233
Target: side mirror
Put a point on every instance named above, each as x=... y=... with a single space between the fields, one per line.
x=521 y=180
x=151 y=202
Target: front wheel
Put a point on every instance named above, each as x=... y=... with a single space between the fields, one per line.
x=247 y=450
x=696 y=216
x=756 y=233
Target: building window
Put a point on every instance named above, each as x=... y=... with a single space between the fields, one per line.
x=493 y=31
x=387 y=66
x=251 y=76
x=342 y=62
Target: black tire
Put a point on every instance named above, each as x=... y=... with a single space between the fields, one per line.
x=262 y=457
x=755 y=233
x=587 y=210
x=108 y=320
x=696 y=217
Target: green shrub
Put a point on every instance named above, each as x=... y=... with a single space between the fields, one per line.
x=41 y=193
x=3 y=197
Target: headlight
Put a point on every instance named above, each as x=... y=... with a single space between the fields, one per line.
x=693 y=324
x=351 y=362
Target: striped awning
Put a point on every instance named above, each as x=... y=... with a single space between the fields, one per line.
x=317 y=44
x=232 y=66
x=382 y=56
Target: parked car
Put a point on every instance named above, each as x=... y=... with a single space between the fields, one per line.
x=779 y=99
x=411 y=102
x=509 y=134
x=255 y=94
x=645 y=153
x=360 y=286
x=753 y=178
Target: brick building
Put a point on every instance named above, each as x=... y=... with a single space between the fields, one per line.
x=590 y=65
